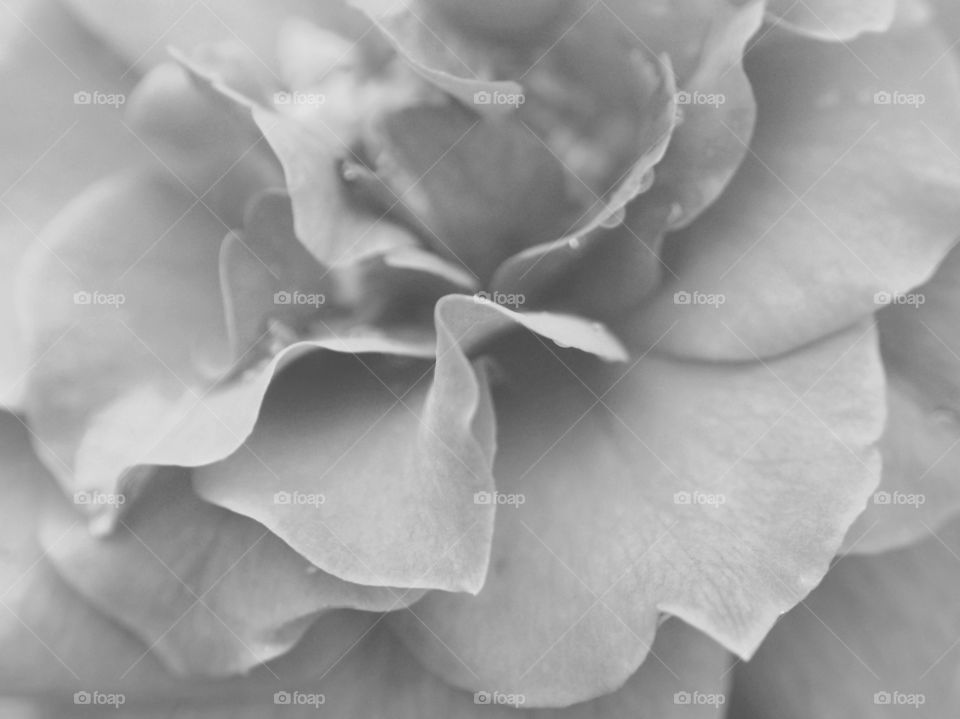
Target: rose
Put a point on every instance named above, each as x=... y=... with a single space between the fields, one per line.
x=595 y=447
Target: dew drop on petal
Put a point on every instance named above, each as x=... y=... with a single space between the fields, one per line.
x=574 y=243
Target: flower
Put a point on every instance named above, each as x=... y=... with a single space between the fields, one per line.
x=462 y=358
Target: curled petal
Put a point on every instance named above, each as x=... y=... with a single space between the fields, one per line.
x=663 y=488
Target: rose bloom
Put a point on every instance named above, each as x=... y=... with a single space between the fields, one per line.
x=478 y=359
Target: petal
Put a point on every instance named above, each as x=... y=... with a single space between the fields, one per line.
x=425 y=43
x=379 y=678
x=842 y=197
x=394 y=464
x=835 y=20
x=877 y=639
x=325 y=222
x=719 y=112
x=51 y=146
x=218 y=596
x=920 y=346
x=140 y=31
x=718 y=494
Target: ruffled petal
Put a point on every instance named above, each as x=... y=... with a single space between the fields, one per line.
x=218 y=596
x=372 y=478
x=850 y=189
x=833 y=20
x=718 y=494
x=877 y=639
x=921 y=443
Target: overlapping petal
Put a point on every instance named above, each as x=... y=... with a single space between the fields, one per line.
x=849 y=190
x=877 y=639
x=921 y=355
x=218 y=596
x=714 y=493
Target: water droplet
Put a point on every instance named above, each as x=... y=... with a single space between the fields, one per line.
x=574 y=243
x=681 y=116
x=103 y=523
x=676 y=212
